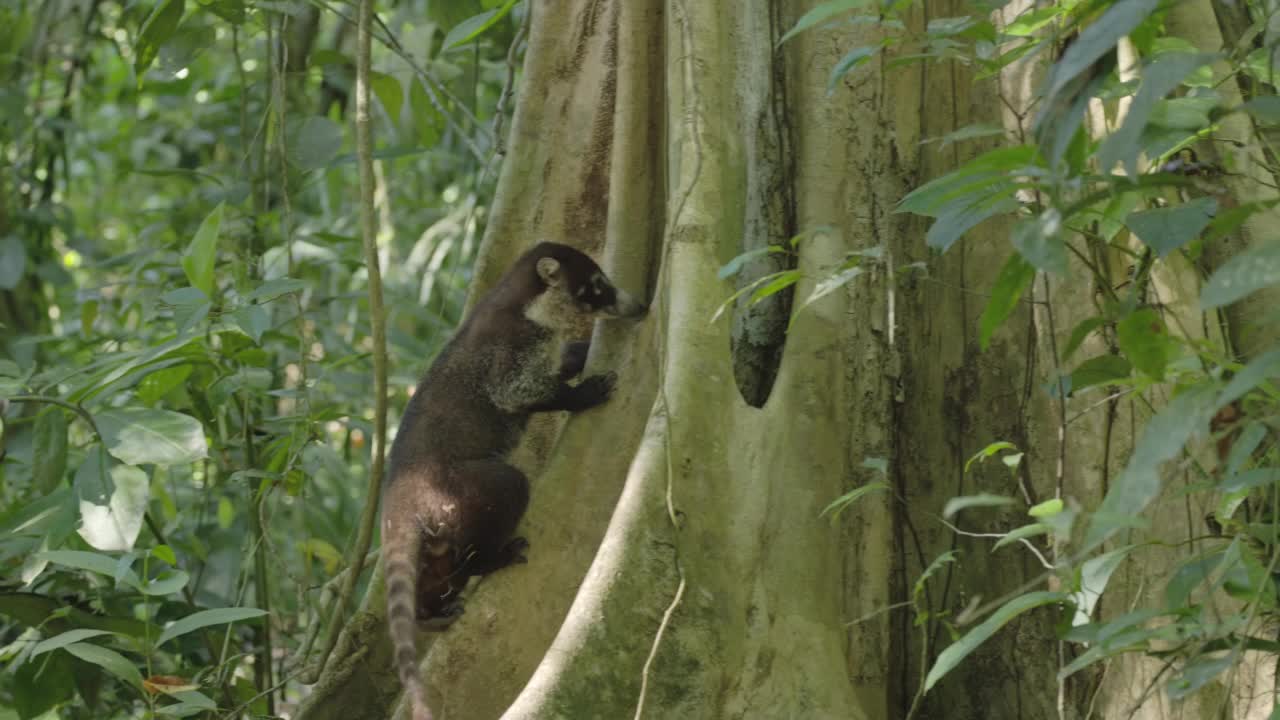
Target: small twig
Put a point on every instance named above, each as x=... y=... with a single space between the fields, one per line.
x=657 y=641
x=73 y=407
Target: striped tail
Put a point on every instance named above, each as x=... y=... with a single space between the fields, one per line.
x=400 y=551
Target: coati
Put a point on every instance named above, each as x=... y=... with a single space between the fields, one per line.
x=451 y=502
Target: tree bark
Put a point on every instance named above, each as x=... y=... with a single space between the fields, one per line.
x=680 y=565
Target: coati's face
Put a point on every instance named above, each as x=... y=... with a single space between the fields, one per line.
x=575 y=288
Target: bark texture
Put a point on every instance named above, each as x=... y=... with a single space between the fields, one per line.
x=679 y=564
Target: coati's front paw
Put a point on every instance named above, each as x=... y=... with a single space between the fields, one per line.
x=595 y=390
x=513 y=551
x=444 y=617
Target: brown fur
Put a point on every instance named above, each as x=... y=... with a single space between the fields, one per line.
x=451 y=502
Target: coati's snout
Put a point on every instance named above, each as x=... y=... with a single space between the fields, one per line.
x=581 y=283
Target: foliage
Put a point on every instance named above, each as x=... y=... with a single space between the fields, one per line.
x=184 y=336
x=1082 y=199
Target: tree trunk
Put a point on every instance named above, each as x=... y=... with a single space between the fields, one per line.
x=680 y=565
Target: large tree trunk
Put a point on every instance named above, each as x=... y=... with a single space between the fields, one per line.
x=679 y=560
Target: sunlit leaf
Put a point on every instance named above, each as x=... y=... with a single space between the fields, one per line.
x=983 y=500
x=1094 y=575
x=1039 y=241
x=1159 y=77
x=145 y=435
x=113 y=502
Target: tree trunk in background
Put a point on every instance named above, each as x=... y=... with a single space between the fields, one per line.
x=678 y=557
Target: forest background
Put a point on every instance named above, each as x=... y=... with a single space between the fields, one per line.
x=957 y=398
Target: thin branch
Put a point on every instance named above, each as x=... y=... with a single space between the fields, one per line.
x=368 y=230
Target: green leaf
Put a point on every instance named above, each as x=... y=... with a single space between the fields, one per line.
x=948 y=659
x=988 y=451
x=205 y=618
x=157 y=384
x=143 y=435
x=1040 y=243
x=201 y=255
x=314 y=142
x=968 y=132
x=780 y=281
x=167 y=584
x=156 y=30
x=50 y=451
x=831 y=284
x=1197 y=672
x=274 y=289
x=254 y=320
x=1098 y=39
x=1022 y=533
x=956 y=219
x=838 y=505
x=66 y=638
x=1162 y=439
x=109 y=660
x=1014 y=279
x=113 y=501
x=734 y=266
x=1079 y=333
x=1159 y=78
x=471 y=28
x=956 y=504
x=93 y=562
x=823 y=13
x=851 y=60
x=1144 y=342
x=1099 y=370
x=165 y=553
x=1048 y=508
x=1254 y=269
x=980 y=177
x=1264 y=108
x=427 y=118
x=1094 y=575
x=390 y=93
x=13 y=262
x=1258 y=370
x=1167 y=229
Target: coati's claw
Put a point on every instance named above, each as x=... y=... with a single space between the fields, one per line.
x=514 y=550
x=449 y=615
x=596 y=389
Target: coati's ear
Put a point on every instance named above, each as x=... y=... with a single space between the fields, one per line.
x=549 y=271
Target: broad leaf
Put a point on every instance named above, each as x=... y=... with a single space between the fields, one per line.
x=156 y=30
x=201 y=254
x=823 y=13
x=1160 y=77
x=93 y=562
x=1094 y=575
x=1098 y=39
x=1079 y=333
x=1167 y=229
x=205 y=618
x=113 y=501
x=66 y=638
x=50 y=452
x=956 y=504
x=1250 y=271
x=390 y=93
x=1162 y=440
x=1013 y=281
x=1099 y=370
x=144 y=435
x=851 y=60
x=1143 y=341
x=948 y=659
x=314 y=142
x=471 y=28
x=427 y=119
x=957 y=219
x=1039 y=241
x=109 y=660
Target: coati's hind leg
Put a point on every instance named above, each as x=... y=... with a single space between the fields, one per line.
x=493 y=496
x=438 y=586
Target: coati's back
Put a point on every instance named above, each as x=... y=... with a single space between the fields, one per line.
x=451 y=502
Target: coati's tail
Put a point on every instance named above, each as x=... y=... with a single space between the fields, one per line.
x=400 y=553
